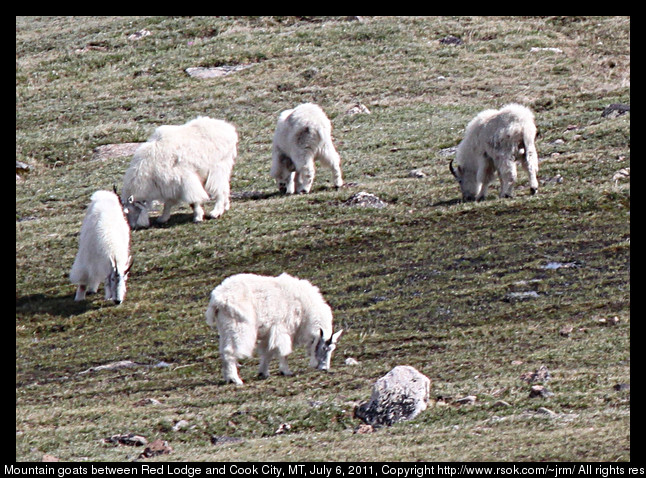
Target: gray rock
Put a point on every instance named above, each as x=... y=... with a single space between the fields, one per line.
x=400 y=395
x=364 y=199
x=614 y=110
x=451 y=40
x=540 y=391
x=215 y=71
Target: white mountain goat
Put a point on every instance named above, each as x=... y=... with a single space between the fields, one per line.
x=273 y=314
x=189 y=163
x=303 y=134
x=103 y=254
x=492 y=142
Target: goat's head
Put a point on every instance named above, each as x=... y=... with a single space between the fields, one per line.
x=136 y=212
x=115 y=283
x=467 y=180
x=322 y=350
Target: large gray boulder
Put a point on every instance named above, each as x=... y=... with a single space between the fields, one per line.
x=400 y=395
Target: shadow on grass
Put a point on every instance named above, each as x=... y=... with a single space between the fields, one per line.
x=448 y=202
x=244 y=196
x=63 y=305
x=177 y=219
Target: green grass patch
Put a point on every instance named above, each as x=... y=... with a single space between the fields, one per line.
x=427 y=281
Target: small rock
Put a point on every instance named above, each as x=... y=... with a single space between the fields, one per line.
x=128 y=439
x=416 y=173
x=351 y=362
x=517 y=296
x=451 y=40
x=566 y=330
x=282 y=428
x=216 y=71
x=611 y=321
x=156 y=448
x=146 y=401
x=180 y=425
x=468 y=400
x=614 y=110
x=121 y=364
x=541 y=374
x=539 y=391
x=139 y=35
x=546 y=411
x=553 y=265
x=621 y=175
x=501 y=404
x=518 y=286
x=357 y=109
x=536 y=49
x=49 y=458
x=620 y=387
x=22 y=167
x=447 y=152
x=364 y=199
x=558 y=179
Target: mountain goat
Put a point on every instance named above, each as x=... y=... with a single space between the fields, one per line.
x=303 y=134
x=492 y=142
x=189 y=163
x=103 y=254
x=273 y=314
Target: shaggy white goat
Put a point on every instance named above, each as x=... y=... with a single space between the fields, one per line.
x=492 y=142
x=189 y=163
x=103 y=254
x=274 y=314
x=303 y=134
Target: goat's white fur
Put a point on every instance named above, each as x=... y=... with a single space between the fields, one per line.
x=104 y=244
x=492 y=142
x=189 y=163
x=272 y=314
x=303 y=135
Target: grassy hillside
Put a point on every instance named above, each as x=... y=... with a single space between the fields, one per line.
x=427 y=281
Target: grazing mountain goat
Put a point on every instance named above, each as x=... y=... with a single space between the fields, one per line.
x=493 y=141
x=103 y=249
x=302 y=135
x=189 y=163
x=274 y=314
